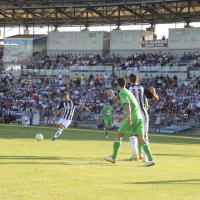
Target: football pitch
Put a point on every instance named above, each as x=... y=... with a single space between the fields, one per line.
x=72 y=167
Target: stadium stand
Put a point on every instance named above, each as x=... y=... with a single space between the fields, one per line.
x=179 y=99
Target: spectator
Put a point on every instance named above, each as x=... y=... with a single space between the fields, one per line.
x=158 y=122
x=143 y=38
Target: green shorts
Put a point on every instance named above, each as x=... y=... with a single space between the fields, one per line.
x=108 y=121
x=137 y=128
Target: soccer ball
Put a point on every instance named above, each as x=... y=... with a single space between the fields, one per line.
x=39 y=137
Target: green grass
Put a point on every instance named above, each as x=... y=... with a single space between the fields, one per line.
x=72 y=167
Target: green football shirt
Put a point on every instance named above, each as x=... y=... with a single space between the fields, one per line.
x=107 y=111
x=127 y=96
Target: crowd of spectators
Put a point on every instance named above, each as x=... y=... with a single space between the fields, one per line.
x=45 y=94
x=133 y=62
x=179 y=99
x=196 y=62
x=65 y=61
x=68 y=61
x=1 y=52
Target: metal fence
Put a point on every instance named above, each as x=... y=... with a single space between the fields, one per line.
x=50 y=72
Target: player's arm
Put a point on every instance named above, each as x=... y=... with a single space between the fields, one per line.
x=115 y=98
x=128 y=111
x=124 y=99
x=155 y=96
x=151 y=94
x=57 y=112
x=146 y=104
x=121 y=118
x=23 y=111
x=82 y=106
x=102 y=112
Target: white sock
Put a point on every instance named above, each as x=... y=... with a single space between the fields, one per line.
x=58 y=132
x=25 y=124
x=134 y=144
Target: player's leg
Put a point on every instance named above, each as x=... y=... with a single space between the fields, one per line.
x=58 y=132
x=124 y=128
x=146 y=129
x=106 y=127
x=2 y=119
x=25 y=123
x=109 y=126
x=62 y=124
x=116 y=146
x=138 y=131
x=134 y=146
x=141 y=153
x=147 y=150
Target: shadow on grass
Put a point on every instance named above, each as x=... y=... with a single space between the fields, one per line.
x=192 y=181
x=30 y=157
x=175 y=154
x=51 y=160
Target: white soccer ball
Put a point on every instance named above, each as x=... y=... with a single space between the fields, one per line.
x=39 y=137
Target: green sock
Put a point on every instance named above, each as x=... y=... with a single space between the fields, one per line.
x=139 y=148
x=116 y=145
x=147 y=151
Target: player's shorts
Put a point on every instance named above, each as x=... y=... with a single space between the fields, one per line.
x=115 y=123
x=108 y=121
x=26 y=119
x=137 y=128
x=146 y=126
x=64 y=122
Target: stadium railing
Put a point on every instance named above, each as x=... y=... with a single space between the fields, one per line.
x=143 y=69
x=65 y=72
x=194 y=73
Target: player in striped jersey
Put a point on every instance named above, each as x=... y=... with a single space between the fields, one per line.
x=27 y=112
x=69 y=106
x=141 y=94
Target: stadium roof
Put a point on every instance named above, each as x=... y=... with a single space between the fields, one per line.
x=62 y=13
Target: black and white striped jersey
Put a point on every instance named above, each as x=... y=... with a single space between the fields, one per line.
x=138 y=92
x=69 y=108
x=27 y=112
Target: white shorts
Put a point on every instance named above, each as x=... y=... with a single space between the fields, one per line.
x=115 y=123
x=146 y=126
x=146 y=122
x=26 y=119
x=64 y=122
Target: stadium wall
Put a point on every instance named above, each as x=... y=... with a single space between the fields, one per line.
x=128 y=40
x=120 y=42
x=78 y=42
x=184 y=38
